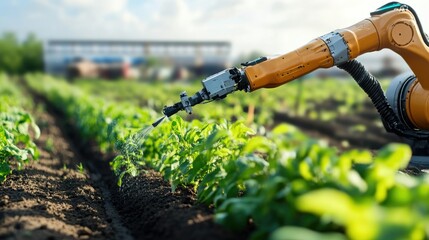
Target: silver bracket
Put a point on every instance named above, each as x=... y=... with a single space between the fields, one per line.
x=185 y=102
x=337 y=46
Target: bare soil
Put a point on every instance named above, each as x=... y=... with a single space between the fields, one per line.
x=150 y=209
x=50 y=198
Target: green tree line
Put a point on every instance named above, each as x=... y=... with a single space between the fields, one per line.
x=18 y=57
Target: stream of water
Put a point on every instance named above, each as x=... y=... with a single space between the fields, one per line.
x=135 y=141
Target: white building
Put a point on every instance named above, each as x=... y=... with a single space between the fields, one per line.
x=200 y=57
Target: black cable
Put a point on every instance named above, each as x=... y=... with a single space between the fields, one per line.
x=372 y=87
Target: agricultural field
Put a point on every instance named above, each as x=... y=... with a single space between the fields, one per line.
x=344 y=118
x=309 y=160
x=18 y=130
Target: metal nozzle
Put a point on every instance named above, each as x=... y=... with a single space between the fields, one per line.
x=170 y=110
x=185 y=103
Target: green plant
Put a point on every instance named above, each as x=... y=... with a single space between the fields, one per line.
x=80 y=168
x=17 y=129
x=280 y=181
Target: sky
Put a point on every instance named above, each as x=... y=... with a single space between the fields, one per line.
x=268 y=26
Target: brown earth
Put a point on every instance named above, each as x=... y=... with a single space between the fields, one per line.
x=50 y=198
x=150 y=209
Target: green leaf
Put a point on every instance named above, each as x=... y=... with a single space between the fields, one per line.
x=258 y=143
x=234 y=213
x=284 y=128
x=359 y=156
x=395 y=156
x=305 y=169
x=5 y=170
x=299 y=233
x=214 y=137
x=320 y=202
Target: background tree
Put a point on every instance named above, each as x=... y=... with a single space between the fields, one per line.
x=10 y=54
x=19 y=58
x=32 y=54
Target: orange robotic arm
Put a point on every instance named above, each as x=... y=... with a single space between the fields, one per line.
x=394 y=26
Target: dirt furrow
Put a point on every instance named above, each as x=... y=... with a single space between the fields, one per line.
x=145 y=204
x=53 y=198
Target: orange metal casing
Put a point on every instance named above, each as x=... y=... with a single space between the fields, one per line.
x=360 y=38
x=396 y=30
x=399 y=32
x=417 y=105
x=277 y=71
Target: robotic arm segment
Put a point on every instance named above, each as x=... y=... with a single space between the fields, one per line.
x=400 y=30
x=394 y=26
x=285 y=68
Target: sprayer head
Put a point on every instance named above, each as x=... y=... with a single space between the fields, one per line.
x=171 y=110
x=215 y=87
x=185 y=103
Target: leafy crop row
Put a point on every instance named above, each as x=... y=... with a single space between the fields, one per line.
x=304 y=97
x=280 y=181
x=16 y=141
x=284 y=178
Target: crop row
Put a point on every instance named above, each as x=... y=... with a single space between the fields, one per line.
x=17 y=130
x=272 y=180
x=321 y=99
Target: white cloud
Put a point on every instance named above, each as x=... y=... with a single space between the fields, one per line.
x=271 y=26
x=88 y=19
x=95 y=6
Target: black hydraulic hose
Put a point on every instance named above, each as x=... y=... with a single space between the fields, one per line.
x=372 y=87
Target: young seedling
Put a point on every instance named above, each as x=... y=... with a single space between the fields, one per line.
x=80 y=168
